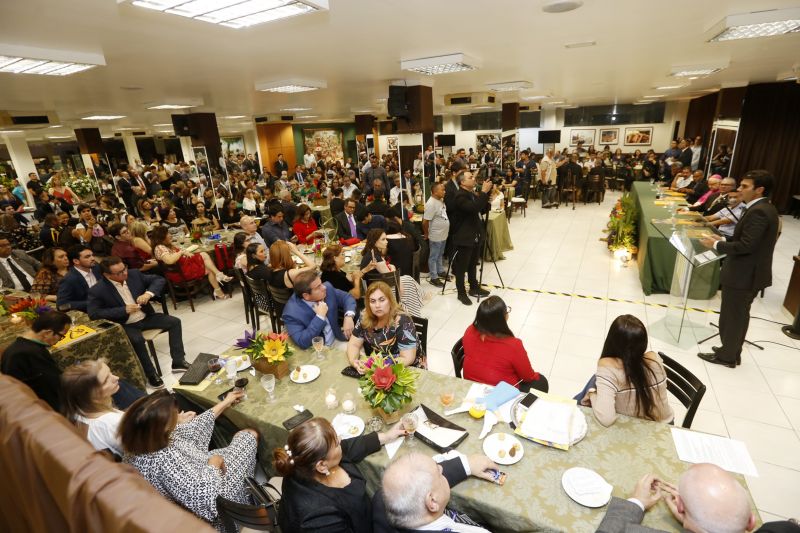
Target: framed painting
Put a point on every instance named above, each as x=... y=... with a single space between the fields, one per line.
x=576 y=136
x=325 y=144
x=488 y=141
x=642 y=136
x=391 y=144
x=232 y=146
x=609 y=136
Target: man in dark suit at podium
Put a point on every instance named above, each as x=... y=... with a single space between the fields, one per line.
x=748 y=266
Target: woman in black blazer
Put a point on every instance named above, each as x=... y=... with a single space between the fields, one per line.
x=323 y=490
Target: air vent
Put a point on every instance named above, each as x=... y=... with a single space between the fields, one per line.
x=30 y=119
x=117 y=135
x=261 y=119
x=461 y=100
x=139 y=133
x=287 y=118
x=491 y=99
x=480 y=98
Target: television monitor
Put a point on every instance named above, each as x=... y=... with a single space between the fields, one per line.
x=446 y=140
x=549 y=136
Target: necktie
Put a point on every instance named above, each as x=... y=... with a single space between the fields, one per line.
x=352 y=226
x=54 y=236
x=327 y=332
x=20 y=275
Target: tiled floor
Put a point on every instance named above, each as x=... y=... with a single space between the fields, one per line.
x=559 y=250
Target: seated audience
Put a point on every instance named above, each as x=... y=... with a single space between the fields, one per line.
x=415 y=491
x=333 y=260
x=275 y=229
x=284 y=270
x=706 y=499
x=400 y=248
x=346 y=221
x=384 y=329
x=88 y=231
x=192 y=266
x=171 y=451
x=304 y=228
x=124 y=248
x=323 y=489
x=412 y=296
x=230 y=213
x=73 y=291
x=175 y=226
x=204 y=221
x=313 y=311
x=50 y=232
x=705 y=200
x=630 y=380
x=367 y=221
x=725 y=219
x=18 y=268
x=87 y=389
x=240 y=243
x=337 y=201
x=697 y=188
x=22 y=237
x=249 y=225
x=148 y=213
x=55 y=265
x=140 y=239
x=493 y=354
x=123 y=296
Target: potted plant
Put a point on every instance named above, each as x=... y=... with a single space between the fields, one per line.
x=267 y=351
x=387 y=386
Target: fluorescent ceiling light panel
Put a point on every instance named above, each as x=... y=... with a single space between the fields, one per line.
x=159 y=125
x=234 y=116
x=582 y=44
x=308 y=116
x=11 y=131
x=235 y=13
x=692 y=71
x=171 y=106
x=654 y=96
x=293 y=85
x=536 y=97
x=59 y=136
x=445 y=64
x=103 y=117
x=295 y=109
x=18 y=59
x=668 y=87
x=509 y=86
x=766 y=23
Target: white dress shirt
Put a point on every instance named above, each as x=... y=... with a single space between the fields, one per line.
x=88 y=275
x=127 y=297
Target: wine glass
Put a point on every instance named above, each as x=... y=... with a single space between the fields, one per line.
x=318 y=343
x=268 y=382
x=410 y=422
x=214 y=366
x=230 y=368
x=446 y=397
x=240 y=385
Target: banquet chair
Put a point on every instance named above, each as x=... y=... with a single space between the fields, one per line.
x=457 y=353
x=184 y=288
x=521 y=202
x=258 y=517
x=684 y=386
x=392 y=279
x=247 y=297
x=421 y=324
x=595 y=188
x=262 y=304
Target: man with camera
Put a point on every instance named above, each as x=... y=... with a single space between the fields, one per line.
x=468 y=205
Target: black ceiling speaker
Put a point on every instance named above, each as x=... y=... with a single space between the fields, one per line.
x=397 y=105
x=180 y=124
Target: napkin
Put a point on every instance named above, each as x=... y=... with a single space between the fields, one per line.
x=438 y=435
x=501 y=393
x=392 y=447
x=489 y=421
x=550 y=420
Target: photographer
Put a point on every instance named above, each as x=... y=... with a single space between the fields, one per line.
x=468 y=237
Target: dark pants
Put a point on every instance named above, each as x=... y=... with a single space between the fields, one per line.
x=591 y=384
x=465 y=261
x=734 y=318
x=156 y=321
x=539 y=384
x=126 y=395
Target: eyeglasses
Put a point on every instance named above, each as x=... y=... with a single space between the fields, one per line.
x=61 y=335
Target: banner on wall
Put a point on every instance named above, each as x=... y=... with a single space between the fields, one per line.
x=325 y=144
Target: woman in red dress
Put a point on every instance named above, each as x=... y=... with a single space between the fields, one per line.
x=193 y=266
x=491 y=352
x=304 y=227
x=62 y=192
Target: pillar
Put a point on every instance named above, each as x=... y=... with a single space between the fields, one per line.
x=131 y=150
x=21 y=159
x=186 y=149
x=510 y=135
x=251 y=145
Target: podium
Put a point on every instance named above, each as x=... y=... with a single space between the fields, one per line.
x=692 y=256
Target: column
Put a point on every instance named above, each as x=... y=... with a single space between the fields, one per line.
x=186 y=149
x=510 y=135
x=251 y=144
x=21 y=159
x=131 y=150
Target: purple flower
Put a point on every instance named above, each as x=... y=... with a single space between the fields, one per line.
x=43 y=309
x=245 y=342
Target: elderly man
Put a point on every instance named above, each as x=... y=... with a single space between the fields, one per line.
x=313 y=311
x=707 y=498
x=705 y=200
x=250 y=227
x=415 y=491
x=682 y=179
x=697 y=188
x=725 y=219
x=726 y=186
x=548 y=177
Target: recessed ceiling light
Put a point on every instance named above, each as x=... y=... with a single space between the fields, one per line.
x=293 y=85
x=232 y=117
x=171 y=106
x=695 y=71
x=18 y=59
x=59 y=136
x=642 y=103
x=581 y=44
x=559 y=102
x=235 y=13
x=537 y=97
x=56 y=126
x=668 y=87
x=446 y=64
x=765 y=23
x=306 y=116
x=103 y=117
x=11 y=131
x=296 y=109
x=509 y=86
x=561 y=6
x=132 y=129
x=483 y=107
x=159 y=125
x=19 y=65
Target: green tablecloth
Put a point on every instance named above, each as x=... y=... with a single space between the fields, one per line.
x=656 y=257
x=498 y=237
x=531 y=500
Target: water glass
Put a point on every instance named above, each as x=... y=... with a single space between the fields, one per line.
x=230 y=368
x=446 y=397
x=268 y=382
x=348 y=404
x=410 y=422
x=318 y=343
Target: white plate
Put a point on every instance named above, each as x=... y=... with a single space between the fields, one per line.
x=586 y=487
x=242 y=362
x=192 y=248
x=347 y=426
x=310 y=372
x=497 y=445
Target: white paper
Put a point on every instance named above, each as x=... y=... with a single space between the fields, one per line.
x=477 y=390
x=504 y=411
x=728 y=454
x=441 y=436
x=549 y=421
x=392 y=447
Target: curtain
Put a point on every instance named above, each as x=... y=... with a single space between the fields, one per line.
x=700 y=118
x=769 y=137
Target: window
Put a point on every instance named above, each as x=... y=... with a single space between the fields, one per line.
x=481 y=121
x=530 y=119
x=609 y=115
x=438 y=121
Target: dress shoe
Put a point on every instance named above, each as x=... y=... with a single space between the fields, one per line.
x=464 y=299
x=715 y=349
x=436 y=281
x=155 y=381
x=712 y=358
x=477 y=291
x=180 y=366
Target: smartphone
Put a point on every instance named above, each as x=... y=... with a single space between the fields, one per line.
x=498 y=476
x=296 y=420
x=528 y=400
x=105 y=324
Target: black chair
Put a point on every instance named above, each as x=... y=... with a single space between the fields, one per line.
x=183 y=287
x=684 y=386
x=594 y=188
x=262 y=304
x=457 y=353
x=247 y=297
x=422 y=332
x=390 y=278
x=259 y=517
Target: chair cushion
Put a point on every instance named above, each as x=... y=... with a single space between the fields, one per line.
x=151 y=334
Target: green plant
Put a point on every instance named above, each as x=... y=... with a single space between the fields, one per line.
x=387 y=384
x=82 y=185
x=622 y=225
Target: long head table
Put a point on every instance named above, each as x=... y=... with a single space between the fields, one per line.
x=532 y=498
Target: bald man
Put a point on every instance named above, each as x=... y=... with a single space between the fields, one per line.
x=415 y=491
x=707 y=499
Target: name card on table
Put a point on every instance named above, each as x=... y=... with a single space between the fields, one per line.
x=74 y=333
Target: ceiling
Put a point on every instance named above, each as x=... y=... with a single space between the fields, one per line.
x=356 y=48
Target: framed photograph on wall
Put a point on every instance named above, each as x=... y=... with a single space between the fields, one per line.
x=391 y=144
x=639 y=136
x=325 y=144
x=488 y=141
x=232 y=146
x=587 y=136
x=609 y=136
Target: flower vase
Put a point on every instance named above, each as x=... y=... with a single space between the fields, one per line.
x=389 y=418
x=279 y=369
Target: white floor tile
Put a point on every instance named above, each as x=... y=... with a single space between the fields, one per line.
x=776 y=490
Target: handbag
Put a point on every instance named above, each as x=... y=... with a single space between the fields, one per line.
x=222 y=259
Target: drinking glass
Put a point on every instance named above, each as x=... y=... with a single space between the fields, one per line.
x=410 y=422
x=318 y=343
x=446 y=397
x=230 y=368
x=268 y=382
x=348 y=404
x=214 y=366
x=240 y=385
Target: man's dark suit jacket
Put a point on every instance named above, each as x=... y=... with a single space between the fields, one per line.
x=465 y=217
x=705 y=206
x=452 y=470
x=73 y=289
x=280 y=166
x=748 y=264
x=685 y=157
x=106 y=303
x=303 y=324
x=343 y=226
x=700 y=188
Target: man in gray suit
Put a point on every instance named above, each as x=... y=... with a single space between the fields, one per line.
x=17 y=269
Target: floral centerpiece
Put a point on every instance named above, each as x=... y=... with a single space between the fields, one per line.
x=27 y=309
x=267 y=351
x=622 y=230
x=196 y=235
x=83 y=185
x=387 y=385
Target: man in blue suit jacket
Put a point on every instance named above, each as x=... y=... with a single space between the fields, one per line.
x=313 y=311
x=73 y=291
x=123 y=296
